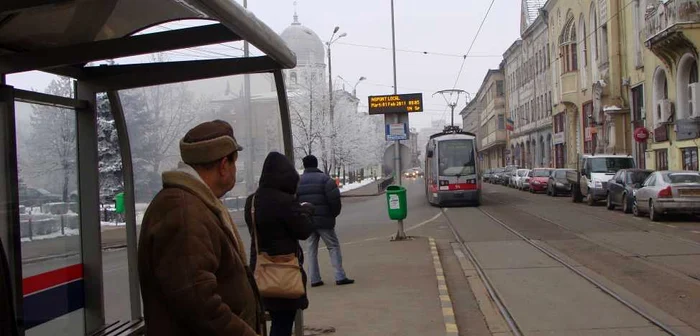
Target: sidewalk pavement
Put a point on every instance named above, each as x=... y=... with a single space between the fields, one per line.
x=395 y=291
x=369 y=189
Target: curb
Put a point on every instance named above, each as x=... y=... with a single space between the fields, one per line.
x=448 y=313
x=365 y=195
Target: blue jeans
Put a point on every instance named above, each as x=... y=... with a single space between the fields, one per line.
x=330 y=239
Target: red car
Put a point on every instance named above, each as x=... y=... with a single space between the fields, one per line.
x=538 y=178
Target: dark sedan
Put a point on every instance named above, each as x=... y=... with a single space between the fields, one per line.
x=623 y=186
x=557 y=183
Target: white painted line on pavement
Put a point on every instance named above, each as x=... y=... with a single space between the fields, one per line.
x=695 y=231
x=673 y=226
x=424 y=222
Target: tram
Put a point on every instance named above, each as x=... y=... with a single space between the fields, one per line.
x=451 y=172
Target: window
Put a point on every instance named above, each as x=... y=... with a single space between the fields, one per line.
x=604 y=43
x=682 y=178
x=690 y=158
x=589 y=143
x=567 y=45
x=661 y=159
x=584 y=51
x=501 y=122
x=499 y=89
x=456 y=157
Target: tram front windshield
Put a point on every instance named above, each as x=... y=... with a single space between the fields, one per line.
x=456 y=157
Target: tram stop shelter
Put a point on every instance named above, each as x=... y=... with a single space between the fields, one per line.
x=62 y=37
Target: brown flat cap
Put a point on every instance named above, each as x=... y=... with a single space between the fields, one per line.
x=208 y=142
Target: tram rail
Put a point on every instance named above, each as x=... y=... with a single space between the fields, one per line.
x=500 y=304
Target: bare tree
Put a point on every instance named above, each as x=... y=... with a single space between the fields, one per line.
x=53 y=138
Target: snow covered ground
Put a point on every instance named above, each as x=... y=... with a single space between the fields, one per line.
x=67 y=231
x=356 y=185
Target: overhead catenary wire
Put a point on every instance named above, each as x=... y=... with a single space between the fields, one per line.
x=427 y=53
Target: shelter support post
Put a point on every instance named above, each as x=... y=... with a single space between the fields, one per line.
x=129 y=202
x=89 y=205
x=9 y=197
x=284 y=115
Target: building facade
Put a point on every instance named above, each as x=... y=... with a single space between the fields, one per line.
x=529 y=91
x=590 y=112
x=671 y=33
x=490 y=103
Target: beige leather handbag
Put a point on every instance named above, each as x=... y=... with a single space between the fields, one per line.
x=276 y=276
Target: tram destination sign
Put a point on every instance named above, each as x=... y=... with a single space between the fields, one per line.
x=397 y=103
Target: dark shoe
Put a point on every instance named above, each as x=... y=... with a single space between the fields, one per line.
x=316 y=284
x=345 y=281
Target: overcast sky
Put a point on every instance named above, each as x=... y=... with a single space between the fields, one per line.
x=435 y=27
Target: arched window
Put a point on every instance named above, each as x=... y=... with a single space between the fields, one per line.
x=594 y=27
x=687 y=87
x=567 y=45
x=584 y=47
x=660 y=93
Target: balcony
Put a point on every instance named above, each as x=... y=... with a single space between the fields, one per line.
x=569 y=86
x=663 y=19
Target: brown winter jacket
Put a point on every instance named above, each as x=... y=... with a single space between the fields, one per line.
x=192 y=268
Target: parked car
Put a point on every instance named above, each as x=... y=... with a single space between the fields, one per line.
x=487 y=175
x=557 y=182
x=519 y=177
x=538 y=179
x=666 y=191
x=497 y=176
x=591 y=176
x=623 y=186
x=510 y=172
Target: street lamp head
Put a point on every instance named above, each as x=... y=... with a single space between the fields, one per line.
x=343 y=35
x=336 y=29
x=363 y=78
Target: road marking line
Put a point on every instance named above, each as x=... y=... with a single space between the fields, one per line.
x=448 y=313
x=669 y=225
x=424 y=222
x=695 y=231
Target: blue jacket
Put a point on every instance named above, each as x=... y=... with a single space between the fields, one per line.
x=319 y=189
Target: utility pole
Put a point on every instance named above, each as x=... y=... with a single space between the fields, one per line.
x=250 y=151
x=400 y=233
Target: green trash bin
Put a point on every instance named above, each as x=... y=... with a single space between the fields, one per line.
x=119 y=200
x=396 y=202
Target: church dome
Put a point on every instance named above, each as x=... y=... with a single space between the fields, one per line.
x=304 y=43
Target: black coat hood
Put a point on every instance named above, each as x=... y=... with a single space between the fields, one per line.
x=279 y=173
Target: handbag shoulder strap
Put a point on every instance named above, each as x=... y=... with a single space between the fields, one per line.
x=254 y=223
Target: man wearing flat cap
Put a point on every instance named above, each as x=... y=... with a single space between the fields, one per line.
x=192 y=262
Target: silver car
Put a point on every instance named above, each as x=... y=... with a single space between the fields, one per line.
x=666 y=192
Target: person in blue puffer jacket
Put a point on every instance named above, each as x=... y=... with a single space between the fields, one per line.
x=319 y=189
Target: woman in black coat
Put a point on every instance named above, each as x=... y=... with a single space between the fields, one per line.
x=281 y=221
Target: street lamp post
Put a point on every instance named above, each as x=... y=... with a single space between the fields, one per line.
x=330 y=88
x=354 y=88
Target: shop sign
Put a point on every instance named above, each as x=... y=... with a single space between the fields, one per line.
x=687 y=129
x=660 y=134
x=558 y=138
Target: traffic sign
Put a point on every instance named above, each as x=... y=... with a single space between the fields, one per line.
x=396 y=132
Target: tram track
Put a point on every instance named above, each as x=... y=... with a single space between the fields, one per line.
x=501 y=305
x=600 y=218
x=618 y=250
